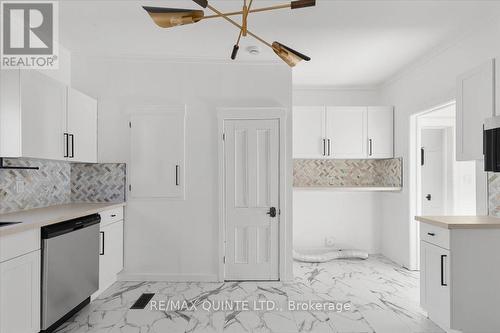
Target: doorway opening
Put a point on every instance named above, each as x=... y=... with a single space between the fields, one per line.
x=440 y=184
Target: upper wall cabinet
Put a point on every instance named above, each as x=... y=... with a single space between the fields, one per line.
x=346 y=132
x=42 y=118
x=309 y=132
x=475 y=103
x=32 y=115
x=343 y=132
x=81 y=132
x=157 y=154
x=380 y=132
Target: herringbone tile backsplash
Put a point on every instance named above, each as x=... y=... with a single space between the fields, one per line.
x=347 y=173
x=59 y=182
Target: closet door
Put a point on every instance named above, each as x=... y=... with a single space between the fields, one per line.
x=309 y=132
x=346 y=132
x=157 y=155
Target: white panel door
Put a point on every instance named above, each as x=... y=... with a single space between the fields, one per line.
x=308 y=132
x=82 y=127
x=43 y=105
x=346 y=132
x=475 y=103
x=20 y=294
x=380 y=132
x=251 y=159
x=157 y=155
x=433 y=174
x=435 y=270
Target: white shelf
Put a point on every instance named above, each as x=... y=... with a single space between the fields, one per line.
x=349 y=189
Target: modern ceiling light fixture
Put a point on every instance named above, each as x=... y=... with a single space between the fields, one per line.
x=171 y=17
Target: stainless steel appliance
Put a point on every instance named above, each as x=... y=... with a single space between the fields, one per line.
x=70 y=268
x=491 y=144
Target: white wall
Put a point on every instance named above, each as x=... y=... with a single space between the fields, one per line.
x=352 y=219
x=177 y=239
x=429 y=83
x=63 y=73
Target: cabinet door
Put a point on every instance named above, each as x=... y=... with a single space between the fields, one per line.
x=435 y=270
x=308 y=132
x=346 y=132
x=157 y=155
x=82 y=127
x=43 y=107
x=380 y=132
x=111 y=254
x=475 y=103
x=20 y=294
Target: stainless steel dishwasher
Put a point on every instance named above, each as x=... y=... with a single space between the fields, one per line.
x=70 y=268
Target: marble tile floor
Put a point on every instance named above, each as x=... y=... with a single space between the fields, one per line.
x=383 y=298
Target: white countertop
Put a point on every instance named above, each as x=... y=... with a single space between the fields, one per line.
x=461 y=222
x=39 y=217
x=348 y=189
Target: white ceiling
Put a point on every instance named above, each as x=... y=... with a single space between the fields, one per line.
x=351 y=43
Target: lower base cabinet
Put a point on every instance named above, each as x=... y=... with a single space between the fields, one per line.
x=111 y=255
x=20 y=294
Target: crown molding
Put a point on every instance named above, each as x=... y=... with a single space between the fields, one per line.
x=371 y=88
x=177 y=59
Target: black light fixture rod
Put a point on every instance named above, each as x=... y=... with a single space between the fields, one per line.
x=8 y=167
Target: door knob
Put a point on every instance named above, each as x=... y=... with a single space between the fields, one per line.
x=272 y=212
x=428 y=197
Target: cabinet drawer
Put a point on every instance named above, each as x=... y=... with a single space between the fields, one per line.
x=435 y=235
x=111 y=215
x=14 y=245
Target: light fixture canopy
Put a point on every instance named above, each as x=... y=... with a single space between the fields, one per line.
x=172 y=17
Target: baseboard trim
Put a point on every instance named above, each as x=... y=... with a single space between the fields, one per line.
x=134 y=277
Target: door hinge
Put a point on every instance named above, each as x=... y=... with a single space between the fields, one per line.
x=130 y=187
x=224 y=259
x=223 y=136
x=130 y=124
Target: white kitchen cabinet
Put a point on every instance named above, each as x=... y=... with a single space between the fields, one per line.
x=42 y=118
x=111 y=254
x=20 y=294
x=82 y=127
x=380 y=132
x=475 y=103
x=309 y=132
x=459 y=273
x=434 y=273
x=343 y=132
x=32 y=115
x=157 y=154
x=346 y=131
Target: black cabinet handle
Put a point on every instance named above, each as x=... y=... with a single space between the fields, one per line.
x=422 y=156
x=177 y=175
x=72 y=146
x=102 y=242
x=443 y=283
x=324 y=147
x=431 y=234
x=370 y=147
x=113 y=215
x=329 y=152
x=66 y=143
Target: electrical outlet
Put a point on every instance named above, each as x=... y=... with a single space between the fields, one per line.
x=20 y=186
x=329 y=242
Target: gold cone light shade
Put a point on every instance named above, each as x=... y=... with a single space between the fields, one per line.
x=288 y=55
x=171 y=17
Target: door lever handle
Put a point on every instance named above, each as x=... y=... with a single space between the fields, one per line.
x=428 y=197
x=272 y=212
